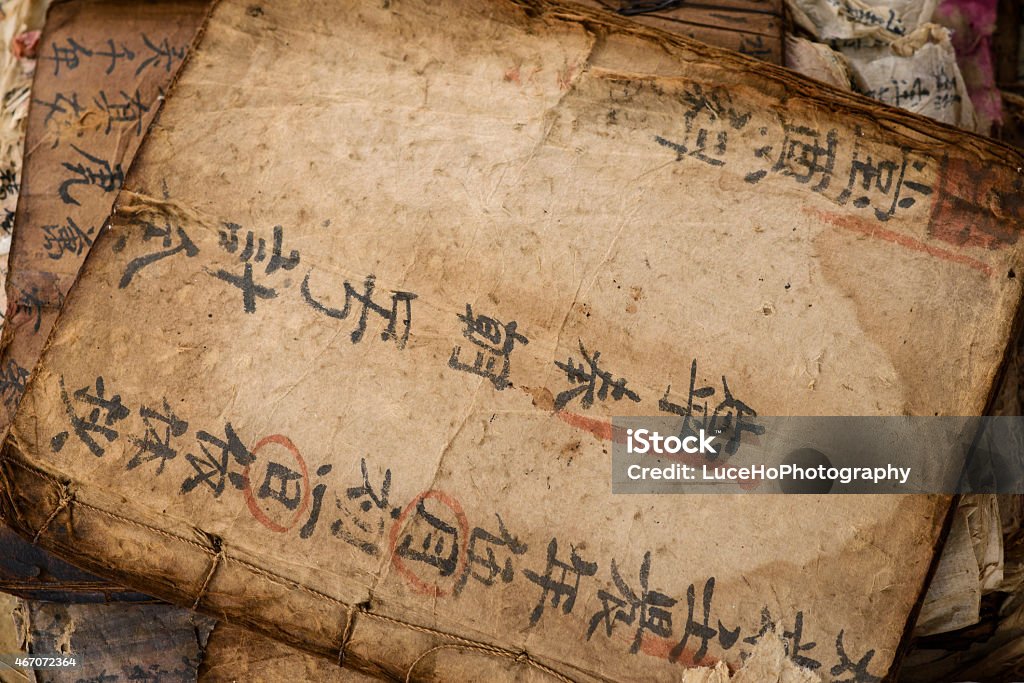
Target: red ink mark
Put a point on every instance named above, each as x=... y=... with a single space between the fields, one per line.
x=602 y=429
x=254 y=507
x=872 y=229
x=977 y=205
x=512 y=74
x=662 y=649
x=418 y=584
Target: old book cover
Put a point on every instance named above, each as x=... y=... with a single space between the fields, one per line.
x=117 y=643
x=32 y=573
x=20 y=21
x=342 y=367
x=751 y=27
x=103 y=66
x=235 y=654
x=122 y=643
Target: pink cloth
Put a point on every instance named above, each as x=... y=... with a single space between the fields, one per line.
x=24 y=45
x=973 y=22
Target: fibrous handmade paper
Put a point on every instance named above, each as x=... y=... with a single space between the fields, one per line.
x=117 y=643
x=895 y=54
x=874 y=20
x=103 y=67
x=342 y=369
x=918 y=73
x=32 y=573
x=20 y=21
x=234 y=654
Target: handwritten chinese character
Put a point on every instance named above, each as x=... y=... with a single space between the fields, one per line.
x=66 y=239
x=161 y=54
x=708 y=119
x=882 y=182
x=172 y=238
x=254 y=251
x=97 y=173
x=69 y=57
x=125 y=109
x=650 y=610
x=154 y=444
x=594 y=382
x=858 y=671
x=215 y=466
x=363 y=527
x=115 y=54
x=8 y=183
x=700 y=630
x=104 y=413
x=494 y=341
x=364 y=299
x=560 y=581
x=482 y=562
x=730 y=416
x=802 y=156
x=12 y=383
x=438 y=544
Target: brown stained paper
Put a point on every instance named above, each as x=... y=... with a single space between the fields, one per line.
x=234 y=654
x=118 y=643
x=818 y=61
x=751 y=27
x=288 y=390
x=97 y=98
x=19 y=24
x=895 y=55
x=102 y=67
x=841 y=20
x=30 y=572
x=14 y=638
